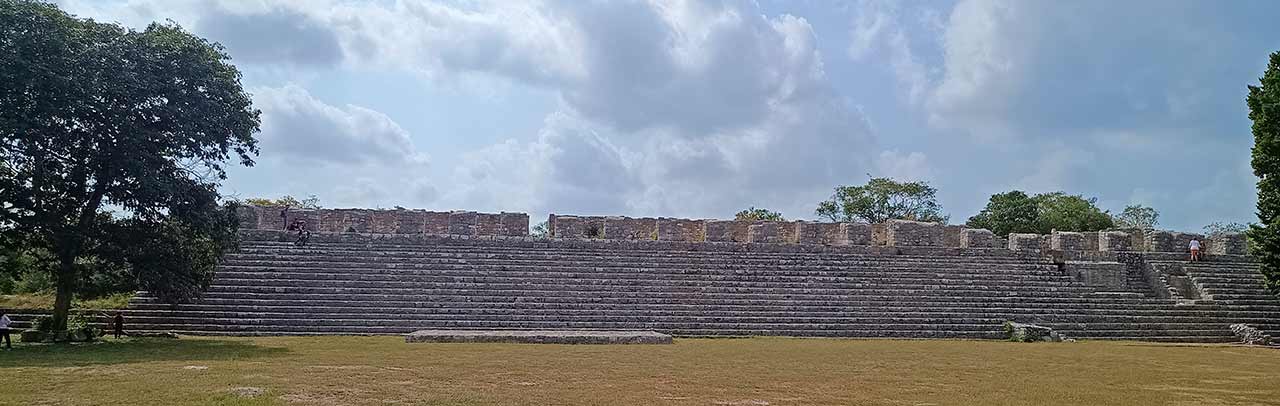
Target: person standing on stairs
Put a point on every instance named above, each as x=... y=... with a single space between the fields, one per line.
x=4 y=330
x=118 y=324
x=1195 y=250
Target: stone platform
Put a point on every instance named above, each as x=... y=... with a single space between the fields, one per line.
x=537 y=337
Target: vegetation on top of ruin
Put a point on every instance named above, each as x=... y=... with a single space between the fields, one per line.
x=761 y=214
x=1264 y=110
x=95 y=116
x=1137 y=216
x=311 y=202
x=1016 y=212
x=883 y=199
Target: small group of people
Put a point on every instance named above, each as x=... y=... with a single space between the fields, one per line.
x=117 y=324
x=1195 y=250
x=299 y=226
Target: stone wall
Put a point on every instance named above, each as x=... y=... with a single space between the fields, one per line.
x=859 y=234
x=1020 y=241
x=951 y=235
x=1090 y=240
x=772 y=232
x=1105 y=276
x=1229 y=244
x=575 y=226
x=393 y=221
x=1169 y=241
x=670 y=229
x=906 y=233
x=728 y=231
x=627 y=228
x=1114 y=241
x=879 y=236
x=977 y=238
x=1066 y=241
x=821 y=233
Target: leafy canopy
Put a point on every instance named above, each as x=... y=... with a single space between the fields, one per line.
x=1137 y=216
x=311 y=202
x=96 y=116
x=754 y=214
x=1264 y=109
x=1015 y=212
x=882 y=199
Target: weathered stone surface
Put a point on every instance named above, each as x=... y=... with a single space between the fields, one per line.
x=1026 y=333
x=1021 y=241
x=576 y=226
x=772 y=232
x=397 y=221
x=463 y=222
x=627 y=228
x=977 y=238
x=858 y=233
x=1115 y=241
x=489 y=224
x=1250 y=335
x=1228 y=244
x=1169 y=241
x=879 y=235
x=537 y=337
x=906 y=233
x=1090 y=241
x=1066 y=241
x=435 y=222
x=1105 y=276
x=670 y=229
x=821 y=233
x=728 y=231
x=951 y=235
x=410 y=221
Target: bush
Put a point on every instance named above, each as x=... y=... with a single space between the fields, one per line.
x=42 y=323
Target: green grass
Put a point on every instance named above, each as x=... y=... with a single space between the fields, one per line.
x=385 y=370
x=44 y=301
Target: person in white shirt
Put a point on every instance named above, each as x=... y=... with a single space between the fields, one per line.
x=1195 y=249
x=4 y=331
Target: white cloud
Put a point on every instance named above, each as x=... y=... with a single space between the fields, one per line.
x=298 y=127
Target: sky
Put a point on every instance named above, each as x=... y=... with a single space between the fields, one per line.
x=699 y=109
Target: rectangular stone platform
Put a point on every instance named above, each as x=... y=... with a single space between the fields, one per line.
x=537 y=337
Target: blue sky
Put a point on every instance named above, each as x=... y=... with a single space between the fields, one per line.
x=703 y=108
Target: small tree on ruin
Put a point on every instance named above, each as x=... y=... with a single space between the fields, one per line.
x=1009 y=212
x=1137 y=216
x=883 y=199
x=754 y=214
x=112 y=145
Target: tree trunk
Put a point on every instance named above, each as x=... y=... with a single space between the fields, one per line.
x=66 y=283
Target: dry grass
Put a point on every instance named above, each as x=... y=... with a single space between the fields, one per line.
x=385 y=370
x=44 y=301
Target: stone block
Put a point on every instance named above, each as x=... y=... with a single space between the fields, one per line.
x=1090 y=241
x=463 y=222
x=1026 y=333
x=410 y=221
x=489 y=224
x=384 y=221
x=1021 y=241
x=515 y=224
x=906 y=233
x=977 y=238
x=576 y=226
x=627 y=228
x=1229 y=244
x=858 y=233
x=951 y=235
x=728 y=230
x=435 y=222
x=1168 y=241
x=247 y=216
x=1247 y=335
x=878 y=235
x=1105 y=276
x=1066 y=241
x=772 y=232
x=821 y=233
x=670 y=229
x=1115 y=241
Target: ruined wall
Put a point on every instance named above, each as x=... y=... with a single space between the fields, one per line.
x=627 y=228
x=878 y=235
x=728 y=231
x=772 y=232
x=575 y=226
x=394 y=221
x=1066 y=241
x=821 y=233
x=1229 y=244
x=951 y=235
x=977 y=238
x=670 y=229
x=859 y=234
x=905 y=233
x=1021 y=241
x=1169 y=241
x=1090 y=240
x=1114 y=241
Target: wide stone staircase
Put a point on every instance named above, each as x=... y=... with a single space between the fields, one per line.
x=275 y=288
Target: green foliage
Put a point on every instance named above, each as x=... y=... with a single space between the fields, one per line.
x=95 y=115
x=754 y=214
x=42 y=323
x=1015 y=212
x=1264 y=110
x=311 y=202
x=882 y=199
x=1063 y=212
x=1009 y=212
x=539 y=230
x=1137 y=216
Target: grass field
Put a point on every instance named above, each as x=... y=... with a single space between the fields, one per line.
x=385 y=370
x=44 y=301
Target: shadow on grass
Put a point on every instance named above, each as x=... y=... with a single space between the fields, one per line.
x=131 y=351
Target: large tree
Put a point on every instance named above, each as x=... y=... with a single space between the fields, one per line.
x=1015 y=212
x=883 y=199
x=1137 y=216
x=754 y=214
x=112 y=145
x=1009 y=212
x=1264 y=110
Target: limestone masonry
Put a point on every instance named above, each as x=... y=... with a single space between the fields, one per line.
x=400 y=271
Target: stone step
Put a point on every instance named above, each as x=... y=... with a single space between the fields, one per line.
x=691 y=275
x=635 y=293
x=852 y=287
x=635 y=266
x=380 y=249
